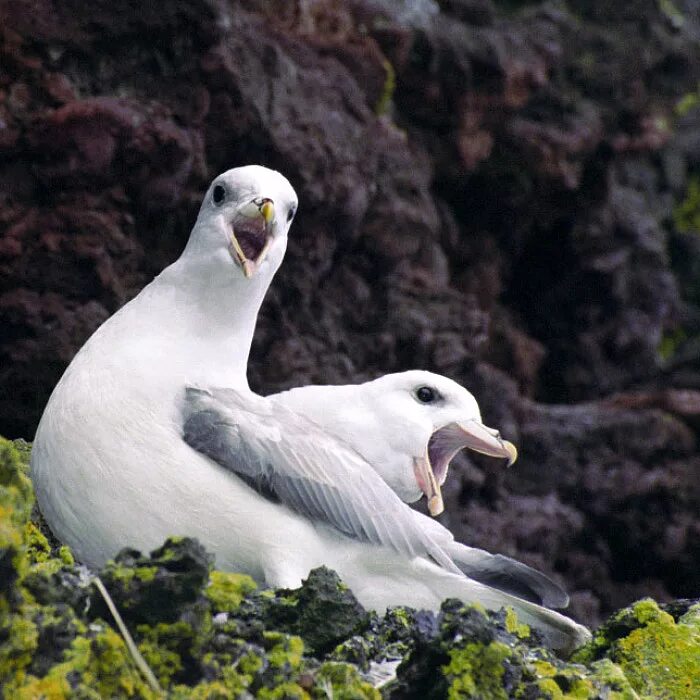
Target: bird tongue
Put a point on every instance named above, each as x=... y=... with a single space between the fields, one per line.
x=443 y=445
x=251 y=234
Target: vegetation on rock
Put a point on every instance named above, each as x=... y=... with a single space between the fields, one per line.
x=210 y=634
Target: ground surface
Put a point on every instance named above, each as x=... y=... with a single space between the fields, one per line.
x=204 y=634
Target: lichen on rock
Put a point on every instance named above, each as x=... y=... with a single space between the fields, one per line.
x=211 y=635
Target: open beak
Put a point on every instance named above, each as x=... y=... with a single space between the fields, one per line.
x=251 y=234
x=444 y=444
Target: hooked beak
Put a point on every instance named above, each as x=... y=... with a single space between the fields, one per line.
x=251 y=234
x=444 y=444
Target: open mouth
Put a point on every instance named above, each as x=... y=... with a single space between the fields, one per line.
x=251 y=234
x=444 y=444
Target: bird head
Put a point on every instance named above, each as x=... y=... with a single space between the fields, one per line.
x=427 y=419
x=244 y=220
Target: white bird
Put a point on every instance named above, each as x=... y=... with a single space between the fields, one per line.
x=264 y=489
x=416 y=413
x=311 y=499
x=108 y=462
x=408 y=426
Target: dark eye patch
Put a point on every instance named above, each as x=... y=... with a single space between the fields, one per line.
x=427 y=394
x=290 y=214
x=218 y=195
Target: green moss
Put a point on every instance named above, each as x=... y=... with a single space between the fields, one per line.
x=249 y=664
x=686 y=215
x=162 y=646
x=563 y=687
x=342 y=682
x=670 y=342
x=657 y=655
x=514 y=626
x=93 y=667
x=16 y=499
x=54 y=645
x=128 y=576
x=203 y=691
x=38 y=548
x=688 y=102
x=661 y=658
x=672 y=13
x=284 y=691
x=239 y=677
x=18 y=650
x=283 y=651
x=226 y=590
x=388 y=89
x=476 y=670
x=607 y=674
x=66 y=556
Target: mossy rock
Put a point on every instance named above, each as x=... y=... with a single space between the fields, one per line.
x=210 y=634
x=659 y=655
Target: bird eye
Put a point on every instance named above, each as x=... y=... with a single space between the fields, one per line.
x=290 y=214
x=426 y=394
x=218 y=195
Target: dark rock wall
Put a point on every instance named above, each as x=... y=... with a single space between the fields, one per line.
x=504 y=192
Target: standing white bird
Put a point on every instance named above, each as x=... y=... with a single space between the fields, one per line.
x=108 y=462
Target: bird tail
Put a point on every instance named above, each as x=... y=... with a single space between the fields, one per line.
x=559 y=631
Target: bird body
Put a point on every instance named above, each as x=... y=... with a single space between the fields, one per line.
x=108 y=463
x=386 y=552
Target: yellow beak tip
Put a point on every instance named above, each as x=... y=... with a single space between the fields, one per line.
x=268 y=211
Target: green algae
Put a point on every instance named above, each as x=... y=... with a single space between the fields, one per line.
x=686 y=214
x=388 y=89
x=659 y=656
x=343 y=682
x=97 y=665
x=514 y=626
x=687 y=103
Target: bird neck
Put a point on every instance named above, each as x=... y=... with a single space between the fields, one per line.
x=211 y=317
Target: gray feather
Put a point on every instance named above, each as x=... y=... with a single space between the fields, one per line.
x=508 y=575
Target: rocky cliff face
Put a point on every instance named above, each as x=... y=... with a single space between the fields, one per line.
x=504 y=192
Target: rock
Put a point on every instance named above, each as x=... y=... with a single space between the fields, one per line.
x=323 y=612
x=207 y=633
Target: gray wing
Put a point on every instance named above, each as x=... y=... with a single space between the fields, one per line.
x=287 y=458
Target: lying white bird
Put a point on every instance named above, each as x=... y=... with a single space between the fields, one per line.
x=108 y=463
x=420 y=413
x=301 y=498
x=409 y=426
